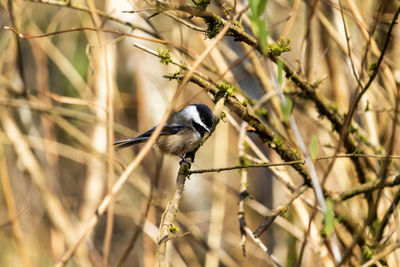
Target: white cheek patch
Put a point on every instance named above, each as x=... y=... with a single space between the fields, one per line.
x=192 y=113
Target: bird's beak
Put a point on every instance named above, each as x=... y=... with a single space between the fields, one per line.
x=208 y=130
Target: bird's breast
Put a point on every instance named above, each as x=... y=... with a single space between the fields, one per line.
x=184 y=141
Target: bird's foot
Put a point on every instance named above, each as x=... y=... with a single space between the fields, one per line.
x=184 y=160
x=190 y=155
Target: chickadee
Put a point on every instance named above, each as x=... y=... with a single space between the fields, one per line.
x=182 y=132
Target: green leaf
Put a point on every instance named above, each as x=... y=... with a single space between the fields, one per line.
x=329 y=220
x=287 y=109
x=253 y=7
x=262 y=35
x=261 y=7
x=314 y=147
x=257 y=8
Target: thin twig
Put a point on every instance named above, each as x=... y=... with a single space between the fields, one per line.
x=141 y=224
x=386 y=217
x=12 y=210
x=243 y=193
x=76 y=6
x=349 y=48
x=389 y=249
x=216 y=230
x=262 y=246
x=292 y=18
x=260 y=165
x=264 y=225
x=154 y=40
x=381 y=56
x=185 y=22
x=366 y=188
x=103 y=64
x=305 y=240
x=386 y=162
x=19 y=60
x=286 y=163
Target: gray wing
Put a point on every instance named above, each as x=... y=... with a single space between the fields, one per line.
x=167 y=130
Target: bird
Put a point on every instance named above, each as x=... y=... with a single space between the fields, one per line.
x=181 y=134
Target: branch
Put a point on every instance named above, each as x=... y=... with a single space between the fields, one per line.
x=366 y=188
x=76 y=6
x=264 y=225
x=385 y=164
x=388 y=214
x=277 y=164
x=211 y=19
x=139 y=228
x=262 y=246
x=167 y=229
x=258 y=165
x=243 y=194
x=155 y=40
x=388 y=249
x=380 y=59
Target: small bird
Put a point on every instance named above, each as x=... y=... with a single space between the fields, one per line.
x=182 y=132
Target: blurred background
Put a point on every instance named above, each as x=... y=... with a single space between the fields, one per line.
x=65 y=97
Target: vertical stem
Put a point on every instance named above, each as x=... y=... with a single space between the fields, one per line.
x=110 y=133
x=217 y=216
x=12 y=211
x=243 y=189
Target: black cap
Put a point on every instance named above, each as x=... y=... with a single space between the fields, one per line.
x=206 y=115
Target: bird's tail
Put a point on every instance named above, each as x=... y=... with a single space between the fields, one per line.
x=129 y=142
